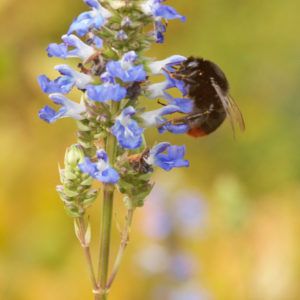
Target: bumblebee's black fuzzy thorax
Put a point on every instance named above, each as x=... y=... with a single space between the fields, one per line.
x=198 y=74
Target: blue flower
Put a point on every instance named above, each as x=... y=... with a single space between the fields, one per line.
x=166 y=12
x=98 y=42
x=159 y=30
x=86 y=20
x=125 y=70
x=159 y=12
x=109 y=90
x=126 y=22
x=82 y=50
x=57 y=50
x=100 y=170
x=121 y=35
x=127 y=131
x=154 y=118
x=69 y=109
x=186 y=105
x=157 y=90
x=173 y=158
x=65 y=83
x=59 y=85
x=156 y=68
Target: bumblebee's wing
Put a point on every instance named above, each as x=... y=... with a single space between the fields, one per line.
x=232 y=110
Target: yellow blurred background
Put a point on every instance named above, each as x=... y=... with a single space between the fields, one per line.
x=249 y=247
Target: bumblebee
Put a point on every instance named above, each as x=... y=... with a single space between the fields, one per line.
x=209 y=89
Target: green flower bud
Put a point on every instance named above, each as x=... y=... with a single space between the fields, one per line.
x=74 y=156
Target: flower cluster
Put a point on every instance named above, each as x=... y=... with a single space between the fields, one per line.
x=109 y=41
x=166 y=221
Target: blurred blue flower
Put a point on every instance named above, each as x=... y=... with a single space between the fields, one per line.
x=100 y=170
x=69 y=109
x=125 y=70
x=189 y=213
x=182 y=266
x=172 y=159
x=65 y=83
x=157 y=222
x=128 y=131
x=91 y=19
x=188 y=293
x=109 y=90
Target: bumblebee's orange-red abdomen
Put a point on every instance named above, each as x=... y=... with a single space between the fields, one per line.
x=196 y=132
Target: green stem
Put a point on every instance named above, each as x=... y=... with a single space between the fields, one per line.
x=87 y=254
x=107 y=210
x=123 y=245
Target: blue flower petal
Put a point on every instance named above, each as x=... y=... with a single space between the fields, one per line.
x=86 y=20
x=110 y=175
x=57 y=50
x=127 y=131
x=135 y=73
x=173 y=158
x=168 y=12
x=100 y=170
x=106 y=92
x=62 y=84
x=88 y=166
x=47 y=114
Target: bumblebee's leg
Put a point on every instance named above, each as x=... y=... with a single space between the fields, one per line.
x=184 y=120
x=163 y=104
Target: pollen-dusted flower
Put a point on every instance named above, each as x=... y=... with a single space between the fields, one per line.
x=125 y=70
x=86 y=20
x=100 y=170
x=109 y=90
x=167 y=161
x=127 y=131
x=65 y=83
x=69 y=109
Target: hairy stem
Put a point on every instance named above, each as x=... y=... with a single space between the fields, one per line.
x=87 y=254
x=123 y=245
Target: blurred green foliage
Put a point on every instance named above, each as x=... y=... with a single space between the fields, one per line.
x=251 y=184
